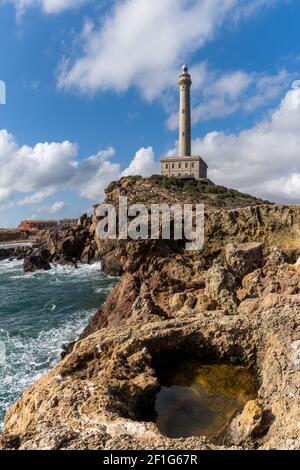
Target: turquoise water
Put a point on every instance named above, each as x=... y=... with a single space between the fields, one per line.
x=38 y=313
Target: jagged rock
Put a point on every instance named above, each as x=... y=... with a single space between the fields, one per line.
x=14 y=253
x=70 y=246
x=105 y=387
x=246 y=425
x=296 y=353
x=111 y=265
x=73 y=244
x=219 y=279
x=274 y=300
x=84 y=221
x=190 y=301
x=204 y=303
x=244 y=257
x=297 y=270
x=88 y=254
x=37 y=261
x=276 y=257
x=145 y=310
x=280 y=279
x=177 y=301
x=251 y=286
x=118 y=308
x=6 y=253
x=249 y=307
x=220 y=287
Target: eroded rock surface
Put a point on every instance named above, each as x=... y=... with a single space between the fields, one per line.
x=101 y=395
x=237 y=301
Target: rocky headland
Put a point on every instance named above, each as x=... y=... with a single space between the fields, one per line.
x=64 y=246
x=235 y=302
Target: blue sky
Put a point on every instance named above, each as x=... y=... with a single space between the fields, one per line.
x=92 y=94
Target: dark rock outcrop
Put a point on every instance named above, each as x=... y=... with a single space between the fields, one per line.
x=65 y=246
x=244 y=258
x=37 y=261
x=19 y=252
x=74 y=244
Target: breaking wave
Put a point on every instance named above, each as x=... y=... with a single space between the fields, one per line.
x=40 y=312
x=28 y=358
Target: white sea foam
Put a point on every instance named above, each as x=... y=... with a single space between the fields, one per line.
x=60 y=271
x=82 y=269
x=102 y=290
x=15 y=245
x=10 y=265
x=28 y=358
x=38 y=313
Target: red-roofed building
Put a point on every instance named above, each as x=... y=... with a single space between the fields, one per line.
x=33 y=225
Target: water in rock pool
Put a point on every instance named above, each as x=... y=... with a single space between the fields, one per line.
x=201 y=400
x=38 y=313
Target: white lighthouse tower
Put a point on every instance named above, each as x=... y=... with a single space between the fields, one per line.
x=184 y=83
x=185 y=165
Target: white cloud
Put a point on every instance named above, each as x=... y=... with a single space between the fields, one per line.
x=216 y=107
x=25 y=169
x=263 y=160
x=48 y=6
x=6 y=196
x=54 y=208
x=37 y=197
x=143 y=164
x=267 y=88
x=142 y=42
x=223 y=95
x=232 y=84
x=95 y=173
x=38 y=172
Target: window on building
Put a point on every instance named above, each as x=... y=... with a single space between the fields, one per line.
x=167 y=165
x=193 y=165
x=183 y=111
x=173 y=166
x=186 y=165
x=179 y=165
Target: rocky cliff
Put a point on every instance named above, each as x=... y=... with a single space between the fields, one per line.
x=237 y=301
x=65 y=246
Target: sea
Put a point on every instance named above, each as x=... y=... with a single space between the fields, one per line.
x=39 y=312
